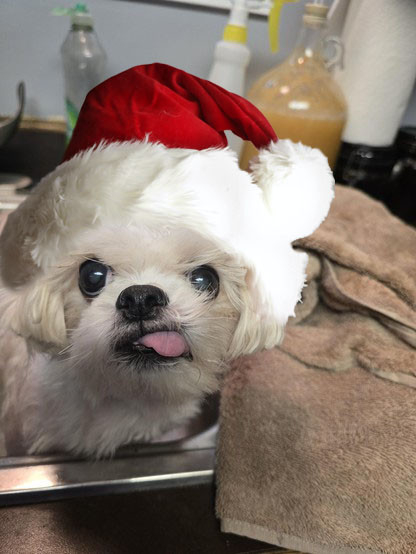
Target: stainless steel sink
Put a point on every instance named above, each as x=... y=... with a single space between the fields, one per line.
x=185 y=456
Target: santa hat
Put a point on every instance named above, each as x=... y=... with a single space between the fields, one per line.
x=150 y=142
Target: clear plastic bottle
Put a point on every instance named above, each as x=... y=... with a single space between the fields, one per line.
x=84 y=62
x=299 y=97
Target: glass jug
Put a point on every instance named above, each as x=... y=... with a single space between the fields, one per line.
x=299 y=97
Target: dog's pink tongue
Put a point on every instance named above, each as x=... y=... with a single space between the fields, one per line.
x=165 y=343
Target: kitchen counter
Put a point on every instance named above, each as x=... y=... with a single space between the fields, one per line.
x=177 y=520
x=156 y=498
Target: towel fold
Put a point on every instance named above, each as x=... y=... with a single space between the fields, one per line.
x=317 y=442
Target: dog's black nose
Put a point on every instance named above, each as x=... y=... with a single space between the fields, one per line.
x=141 y=301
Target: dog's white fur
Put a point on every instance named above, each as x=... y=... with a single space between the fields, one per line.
x=152 y=214
x=68 y=390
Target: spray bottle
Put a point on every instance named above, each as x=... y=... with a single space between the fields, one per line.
x=231 y=57
x=232 y=54
x=84 y=61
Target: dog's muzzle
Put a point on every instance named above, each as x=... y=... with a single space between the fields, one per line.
x=141 y=307
x=141 y=302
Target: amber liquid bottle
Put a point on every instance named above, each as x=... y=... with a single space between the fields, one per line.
x=299 y=97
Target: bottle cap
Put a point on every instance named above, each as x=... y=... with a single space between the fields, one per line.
x=236 y=28
x=235 y=33
x=79 y=15
x=315 y=13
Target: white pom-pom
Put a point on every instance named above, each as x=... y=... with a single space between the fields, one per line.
x=298 y=186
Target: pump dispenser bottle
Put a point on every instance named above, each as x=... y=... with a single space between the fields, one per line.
x=299 y=97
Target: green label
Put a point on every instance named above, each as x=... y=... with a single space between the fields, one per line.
x=71 y=118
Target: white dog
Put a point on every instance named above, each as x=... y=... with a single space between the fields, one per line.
x=112 y=332
x=139 y=325
x=136 y=271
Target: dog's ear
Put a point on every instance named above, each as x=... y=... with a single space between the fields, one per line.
x=37 y=314
x=255 y=331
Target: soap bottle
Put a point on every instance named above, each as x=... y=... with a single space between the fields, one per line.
x=299 y=97
x=84 y=61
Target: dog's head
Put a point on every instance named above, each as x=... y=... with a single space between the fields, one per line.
x=184 y=230
x=142 y=308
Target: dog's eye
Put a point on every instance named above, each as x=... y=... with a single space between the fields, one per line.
x=205 y=279
x=93 y=276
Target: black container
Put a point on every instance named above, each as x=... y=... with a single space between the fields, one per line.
x=402 y=190
x=367 y=168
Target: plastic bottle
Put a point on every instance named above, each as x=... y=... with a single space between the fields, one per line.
x=299 y=97
x=84 y=61
x=232 y=55
x=231 y=58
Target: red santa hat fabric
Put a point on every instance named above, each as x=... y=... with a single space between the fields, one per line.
x=166 y=105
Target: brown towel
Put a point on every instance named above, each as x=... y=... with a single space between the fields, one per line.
x=317 y=452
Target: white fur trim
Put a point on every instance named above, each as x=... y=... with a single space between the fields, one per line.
x=298 y=186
